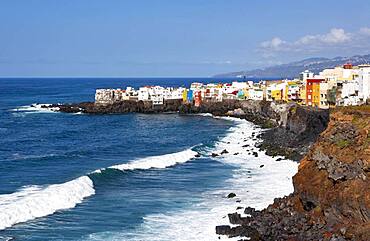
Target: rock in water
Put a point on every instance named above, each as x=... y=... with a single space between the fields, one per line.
x=223 y=229
x=235 y=218
x=231 y=195
x=250 y=211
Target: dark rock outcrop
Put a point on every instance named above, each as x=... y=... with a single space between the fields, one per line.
x=231 y=195
x=331 y=198
x=298 y=129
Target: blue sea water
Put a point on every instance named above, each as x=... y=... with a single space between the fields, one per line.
x=108 y=177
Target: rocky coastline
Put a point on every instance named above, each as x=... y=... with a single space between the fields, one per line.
x=290 y=129
x=331 y=198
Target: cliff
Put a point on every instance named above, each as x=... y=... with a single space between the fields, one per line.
x=331 y=198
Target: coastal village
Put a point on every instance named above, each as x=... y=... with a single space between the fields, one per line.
x=340 y=86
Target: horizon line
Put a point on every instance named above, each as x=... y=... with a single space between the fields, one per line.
x=115 y=77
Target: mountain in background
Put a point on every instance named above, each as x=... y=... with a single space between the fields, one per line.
x=293 y=69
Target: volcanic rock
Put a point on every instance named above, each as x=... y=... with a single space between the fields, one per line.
x=231 y=195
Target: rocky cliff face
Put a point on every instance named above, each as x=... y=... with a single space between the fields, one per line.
x=331 y=199
x=298 y=129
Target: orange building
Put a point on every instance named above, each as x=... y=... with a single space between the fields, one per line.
x=313 y=92
x=198 y=98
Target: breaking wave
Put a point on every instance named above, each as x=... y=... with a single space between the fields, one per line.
x=257 y=180
x=159 y=162
x=36 y=201
x=35 y=108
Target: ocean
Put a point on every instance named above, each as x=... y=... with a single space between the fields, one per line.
x=124 y=177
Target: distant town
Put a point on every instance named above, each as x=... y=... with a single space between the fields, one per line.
x=340 y=86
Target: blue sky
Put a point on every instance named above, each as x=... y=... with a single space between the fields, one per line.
x=174 y=38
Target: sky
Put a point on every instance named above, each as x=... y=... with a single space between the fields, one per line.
x=173 y=38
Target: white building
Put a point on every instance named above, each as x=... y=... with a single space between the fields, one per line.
x=108 y=96
x=364 y=83
x=239 y=85
x=255 y=94
x=143 y=94
x=157 y=99
x=306 y=75
x=324 y=87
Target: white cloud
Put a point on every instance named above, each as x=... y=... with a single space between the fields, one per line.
x=365 y=31
x=336 y=35
x=335 y=38
x=274 y=43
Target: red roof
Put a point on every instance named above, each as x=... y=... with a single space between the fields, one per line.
x=347 y=66
x=315 y=80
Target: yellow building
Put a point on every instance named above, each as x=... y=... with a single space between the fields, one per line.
x=246 y=93
x=276 y=94
x=285 y=92
x=302 y=94
x=316 y=94
x=313 y=92
x=185 y=95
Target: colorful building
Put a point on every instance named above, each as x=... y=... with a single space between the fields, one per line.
x=189 y=97
x=197 y=98
x=277 y=94
x=241 y=95
x=185 y=95
x=313 y=92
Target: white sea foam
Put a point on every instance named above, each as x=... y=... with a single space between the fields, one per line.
x=162 y=161
x=35 y=201
x=254 y=185
x=205 y=114
x=35 y=108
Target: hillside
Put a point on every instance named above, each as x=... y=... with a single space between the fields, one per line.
x=292 y=69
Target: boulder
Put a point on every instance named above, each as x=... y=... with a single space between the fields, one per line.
x=231 y=195
x=235 y=218
x=223 y=229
